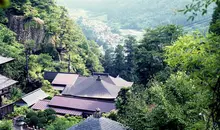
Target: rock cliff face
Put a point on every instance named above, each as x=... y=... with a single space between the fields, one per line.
x=27 y=29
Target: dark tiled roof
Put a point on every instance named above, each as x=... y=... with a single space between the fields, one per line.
x=4 y=60
x=83 y=104
x=106 y=88
x=91 y=87
x=92 y=123
x=34 y=97
x=43 y=105
x=65 y=79
x=6 y=82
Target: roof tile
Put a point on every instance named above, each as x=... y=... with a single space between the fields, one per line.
x=82 y=103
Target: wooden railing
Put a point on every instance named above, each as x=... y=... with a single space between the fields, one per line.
x=5 y=110
x=5 y=91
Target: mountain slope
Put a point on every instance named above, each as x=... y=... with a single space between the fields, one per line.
x=137 y=14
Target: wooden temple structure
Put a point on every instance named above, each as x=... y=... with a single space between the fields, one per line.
x=81 y=96
x=5 y=87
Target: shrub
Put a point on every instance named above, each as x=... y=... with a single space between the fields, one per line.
x=34 y=120
x=30 y=114
x=6 y=125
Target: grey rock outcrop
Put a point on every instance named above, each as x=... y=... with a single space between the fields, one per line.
x=28 y=29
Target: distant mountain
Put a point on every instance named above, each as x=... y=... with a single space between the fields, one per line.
x=138 y=14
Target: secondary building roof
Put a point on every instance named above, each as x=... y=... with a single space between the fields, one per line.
x=102 y=123
x=5 y=60
x=82 y=104
x=43 y=105
x=32 y=98
x=50 y=76
x=6 y=82
x=74 y=105
x=65 y=79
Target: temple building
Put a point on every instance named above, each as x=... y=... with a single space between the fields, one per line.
x=81 y=95
x=5 y=87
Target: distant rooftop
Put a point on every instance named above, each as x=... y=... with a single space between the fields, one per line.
x=6 y=82
x=50 y=76
x=4 y=60
x=102 y=123
x=65 y=79
x=32 y=98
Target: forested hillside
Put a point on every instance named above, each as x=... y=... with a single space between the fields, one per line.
x=138 y=14
x=43 y=31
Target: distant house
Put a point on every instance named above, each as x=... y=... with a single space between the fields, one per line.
x=82 y=95
x=32 y=98
x=5 y=87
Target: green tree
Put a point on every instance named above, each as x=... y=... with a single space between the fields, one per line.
x=41 y=118
x=215 y=24
x=6 y=125
x=198 y=6
x=150 y=54
x=64 y=123
x=4 y=3
x=119 y=61
x=187 y=54
x=173 y=105
x=130 y=64
x=9 y=47
x=108 y=60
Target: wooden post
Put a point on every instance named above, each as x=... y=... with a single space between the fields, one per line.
x=69 y=65
x=27 y=62
x=1 y=103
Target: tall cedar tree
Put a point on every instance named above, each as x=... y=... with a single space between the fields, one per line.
x=119 y=62
x=149 y=54
x=108 y=60
x=130 y=43
x=215 y=24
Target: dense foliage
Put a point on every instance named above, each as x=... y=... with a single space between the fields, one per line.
x=63 y=123
x=189 y=97
x=149 y=55
x=141 y=62
x=6 y=125
x=40 y=119
x=182 y=89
